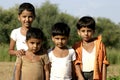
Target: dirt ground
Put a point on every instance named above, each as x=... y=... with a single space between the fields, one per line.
x=6 y=70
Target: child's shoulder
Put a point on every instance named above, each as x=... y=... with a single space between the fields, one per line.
x=49 y=51
x=77 y=44
x=16 y=29
x=71 y=49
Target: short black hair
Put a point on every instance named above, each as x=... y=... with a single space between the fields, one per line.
x=26 y=6
x=86 y=21
x=34 y=33
x=60 y=28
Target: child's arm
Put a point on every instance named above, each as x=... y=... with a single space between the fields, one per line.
x=18 y=72
x=47 y=72
x=18 y=69
x=104 y=74
x=73 y=71
x=78 y=72
x=14 y=52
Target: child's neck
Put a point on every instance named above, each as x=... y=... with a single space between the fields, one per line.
x=32 y=56
x=61 y=48
x=60 y=52
x=24 y=30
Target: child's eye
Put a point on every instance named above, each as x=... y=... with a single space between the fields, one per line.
x=32 y=42
x=30 y=16
x=38 y=43
x=57 y=38
x=89 y=31
x=82 y=30
x=24 y=16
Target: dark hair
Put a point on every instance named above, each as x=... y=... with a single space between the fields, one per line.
x=26 y=6
x=60 y=28
x=86 y=21
x=34 y=33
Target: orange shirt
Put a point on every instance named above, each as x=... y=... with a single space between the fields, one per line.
x=100 y=57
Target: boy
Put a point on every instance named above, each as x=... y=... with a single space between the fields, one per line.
x=91 y=59
x=61 y=57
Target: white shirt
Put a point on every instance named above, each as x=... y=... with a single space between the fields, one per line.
x=88 y=60
x=61 y=68
x=19 y=38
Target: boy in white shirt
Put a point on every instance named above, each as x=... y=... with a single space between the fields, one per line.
x=61 y=57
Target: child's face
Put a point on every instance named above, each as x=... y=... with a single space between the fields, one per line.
x=60 y=41
x=34 y=44
x=85 y=33
x=26 y=18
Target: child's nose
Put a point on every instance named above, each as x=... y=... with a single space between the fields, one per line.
x=60 y=40
x=86 y=32
x=27 y=18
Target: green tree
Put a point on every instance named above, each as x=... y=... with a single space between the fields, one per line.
x=108 y=29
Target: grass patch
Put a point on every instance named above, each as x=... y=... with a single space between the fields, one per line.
x=113 y=56
x=4 y=56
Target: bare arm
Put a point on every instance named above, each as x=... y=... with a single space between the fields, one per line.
x=104 y=74
x=78 y=72
x=73 y=71
x=12 y=50
x=47 y=72
x=18 y=72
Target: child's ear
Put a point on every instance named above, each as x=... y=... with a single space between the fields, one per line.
x=18 y=17
x=78 y=32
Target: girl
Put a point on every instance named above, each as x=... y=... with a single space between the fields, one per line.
x=33 y=65
x=26 y=15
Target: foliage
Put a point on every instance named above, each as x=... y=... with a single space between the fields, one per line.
x=113 y=55
x=47 y=15
x=109 y=31
x=4 y=56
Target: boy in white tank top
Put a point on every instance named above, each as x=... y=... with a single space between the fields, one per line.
x=61 y=57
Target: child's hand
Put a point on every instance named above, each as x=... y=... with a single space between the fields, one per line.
x=20 y=52
x=81 y=78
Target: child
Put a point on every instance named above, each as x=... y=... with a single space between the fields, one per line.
x=91 y=59
x=33 y=65
x=26 y=15
x=61 y=57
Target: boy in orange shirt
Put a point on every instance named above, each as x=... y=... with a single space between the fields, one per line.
x=91 y=59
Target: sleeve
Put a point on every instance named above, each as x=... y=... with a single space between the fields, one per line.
x=73 y=55
x=13 y=34
x=46 y=58
x=105 y=61
x=78 y=53
x=78 y=59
